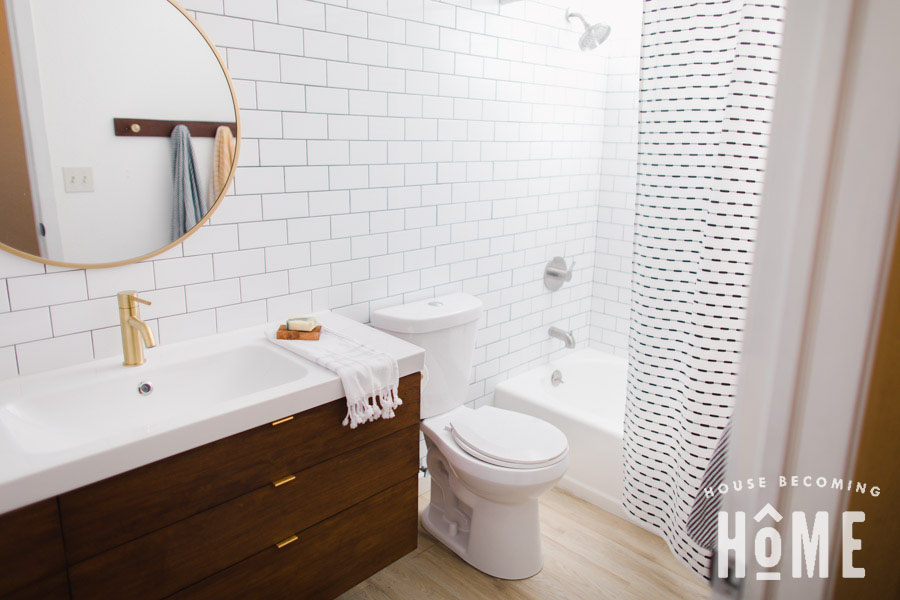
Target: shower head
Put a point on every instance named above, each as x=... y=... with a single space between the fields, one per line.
x=593 y=35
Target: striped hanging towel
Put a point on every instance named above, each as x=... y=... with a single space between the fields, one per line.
x=703 y=520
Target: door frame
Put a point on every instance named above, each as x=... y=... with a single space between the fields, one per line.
x=825 y=233
x=31 y=105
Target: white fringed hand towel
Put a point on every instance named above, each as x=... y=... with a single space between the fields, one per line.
x=370 y=377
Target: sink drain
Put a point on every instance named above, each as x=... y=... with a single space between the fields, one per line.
x=145 y=388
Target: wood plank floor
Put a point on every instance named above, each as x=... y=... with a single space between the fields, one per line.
x=588 y=554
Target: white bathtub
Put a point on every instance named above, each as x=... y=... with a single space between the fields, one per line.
x=589 y=407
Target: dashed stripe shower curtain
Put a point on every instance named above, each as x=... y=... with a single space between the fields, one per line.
x=708 y=70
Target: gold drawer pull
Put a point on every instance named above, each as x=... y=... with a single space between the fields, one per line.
x=284 y=420
x=284 y=480
x=284 y=543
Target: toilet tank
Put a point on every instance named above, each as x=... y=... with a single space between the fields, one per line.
x=445 y=328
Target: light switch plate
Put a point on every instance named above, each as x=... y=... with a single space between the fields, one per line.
x=78 y=179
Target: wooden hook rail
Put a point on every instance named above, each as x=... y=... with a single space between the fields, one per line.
x=157 y=128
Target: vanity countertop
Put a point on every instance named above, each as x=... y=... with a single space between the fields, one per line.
x=66 y=428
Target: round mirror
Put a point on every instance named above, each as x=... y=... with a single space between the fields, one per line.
x=120 y=129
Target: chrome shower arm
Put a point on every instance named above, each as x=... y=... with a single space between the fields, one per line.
x=570 y=15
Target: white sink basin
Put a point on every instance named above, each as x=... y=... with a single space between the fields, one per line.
x=84 y=408
x=70 y=427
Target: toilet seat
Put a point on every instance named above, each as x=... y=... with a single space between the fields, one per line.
x=508 y=439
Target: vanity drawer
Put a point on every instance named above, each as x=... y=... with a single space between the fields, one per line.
x=31 y=547
x=51 y=587
x=326 y=559
x=122 y=508
x=162 y=562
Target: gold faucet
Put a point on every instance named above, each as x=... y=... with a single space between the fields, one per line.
x=131 y=325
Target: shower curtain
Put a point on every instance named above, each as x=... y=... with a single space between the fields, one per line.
x=708 y=73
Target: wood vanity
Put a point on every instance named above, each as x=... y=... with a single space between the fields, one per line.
x=297 y=508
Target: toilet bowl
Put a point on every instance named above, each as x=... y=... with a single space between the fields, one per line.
x=488 y=466
x=485 y=512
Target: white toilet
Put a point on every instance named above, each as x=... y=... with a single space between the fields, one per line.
x=488 y=466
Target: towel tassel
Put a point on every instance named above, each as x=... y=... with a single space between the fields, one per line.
x=379 y=406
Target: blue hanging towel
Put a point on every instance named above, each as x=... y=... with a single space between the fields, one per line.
x=189 y=205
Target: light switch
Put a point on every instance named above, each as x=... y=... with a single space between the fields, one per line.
x=78 y=179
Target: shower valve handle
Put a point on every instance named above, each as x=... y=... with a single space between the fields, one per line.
x=556 y=273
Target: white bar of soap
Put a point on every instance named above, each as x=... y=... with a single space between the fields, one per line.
x=301 y=324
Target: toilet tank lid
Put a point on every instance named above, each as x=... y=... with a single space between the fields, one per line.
x=432 y=314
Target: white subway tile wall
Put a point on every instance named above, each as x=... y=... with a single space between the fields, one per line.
x=611 y=310
x=393 y=150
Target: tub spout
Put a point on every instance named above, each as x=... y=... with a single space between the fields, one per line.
x=565 y=336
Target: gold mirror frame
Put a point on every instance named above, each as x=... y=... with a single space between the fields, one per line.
x=212 y=209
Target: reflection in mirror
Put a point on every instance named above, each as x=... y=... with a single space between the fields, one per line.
x=119 y=127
